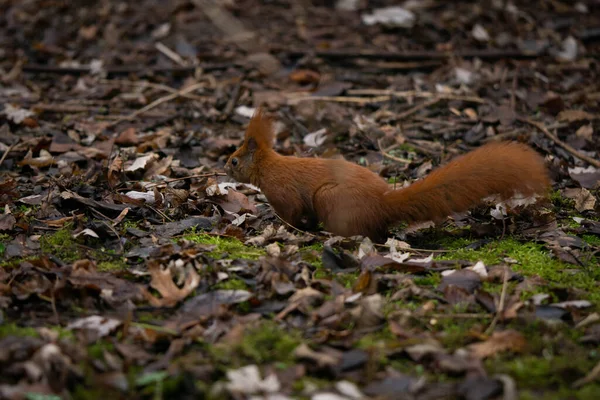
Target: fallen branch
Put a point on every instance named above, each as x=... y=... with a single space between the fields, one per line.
x=485 y=54
x=416 y=108
x=125 y=70
x=555 y=139
x=158 y=102
x=415 y=93
x=159 y=86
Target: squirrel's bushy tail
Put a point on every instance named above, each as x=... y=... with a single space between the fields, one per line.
x=504 y=169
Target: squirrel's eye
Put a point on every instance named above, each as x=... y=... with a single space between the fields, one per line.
x=234 y=162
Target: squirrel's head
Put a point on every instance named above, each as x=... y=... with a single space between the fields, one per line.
x=243 y=164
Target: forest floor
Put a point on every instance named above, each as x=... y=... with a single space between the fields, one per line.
x=132 y=267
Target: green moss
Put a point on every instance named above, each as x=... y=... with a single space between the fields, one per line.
x=592 y=240
x=131 y=224
x=428 y=280
x=269 y=342
x=96 y=350
x=379 y=339
x=533 y=259
x=265 y=343
x=229 y=247
x=313 y=254
x=561 y=202
x=60 y=244
x=347 y=279
x=542 y=372
x=232 y=284
x=112 y=266
x=39 y=396
x=12 y=329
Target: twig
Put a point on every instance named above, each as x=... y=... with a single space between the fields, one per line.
x=391 y=157
x=126 y=70
x=293 y=227
x=235 y=95
x=151 y=185
x=513 y=91
x=63 y=108
x=458 y=315
x=416 y=93
x=344 y=99
x=500 y=310
x=414 y=249
x=158 y=86
x=158 y=102
x=416 y=108
x=170 y=54
x=486 y=54
x=555 y=139
x=10 y=148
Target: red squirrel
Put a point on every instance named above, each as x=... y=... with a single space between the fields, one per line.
x=351 y=200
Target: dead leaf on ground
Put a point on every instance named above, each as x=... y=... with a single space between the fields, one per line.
x=584 y=200
x=574 y=115
x=162 y=281
x=508 y=340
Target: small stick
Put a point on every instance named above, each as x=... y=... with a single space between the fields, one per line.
x=170 y=54
x=391 y=157
x=458 y=315
x=344 y=99
x=10 y=148
x=293 y=227
x=555 y=139
x=513 y=91
x=158 y=86
x=500 y=310
x=416 y=108
x=151 y=185
x=415 y=93
x=158 y=102
x=126 y=70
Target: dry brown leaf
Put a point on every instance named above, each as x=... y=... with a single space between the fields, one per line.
x=115 y=171
x=162 y=281
x=508 y=340
x=322 y=359
x=585 y=132
x=574 y=115
x=584 y=200
x=45 y=159
x=128 y=137
x=305 y=76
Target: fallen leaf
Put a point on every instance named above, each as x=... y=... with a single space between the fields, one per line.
x=508 y=340
x=141 y=163
x=45 y=159
x=162 y=281
x=128 y=137
x=315 y=139
x=247 y=380
x=102 y=326
x=574 y=115
x=584 y=200
x=115 y=171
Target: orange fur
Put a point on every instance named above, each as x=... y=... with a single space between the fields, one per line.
x=351 y=200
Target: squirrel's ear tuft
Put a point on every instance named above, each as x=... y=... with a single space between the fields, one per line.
x=260 y=129
x=251 y=144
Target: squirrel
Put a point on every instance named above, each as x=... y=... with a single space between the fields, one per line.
x=351 y=200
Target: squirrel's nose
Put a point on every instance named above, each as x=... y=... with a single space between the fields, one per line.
x=227 y=168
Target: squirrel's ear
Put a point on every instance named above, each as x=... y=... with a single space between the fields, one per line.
x=251 y=144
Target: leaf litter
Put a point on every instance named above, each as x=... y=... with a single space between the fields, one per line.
x=131 y=266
